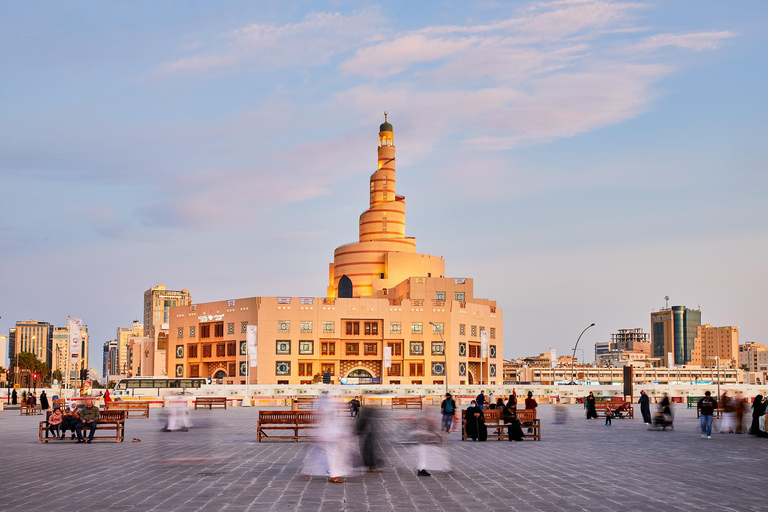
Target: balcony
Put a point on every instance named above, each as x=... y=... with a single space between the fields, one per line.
x=283 y=300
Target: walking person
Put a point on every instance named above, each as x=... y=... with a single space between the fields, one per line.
x=645 y=407
x=448 y=409
x=590 y=404
x=14 y=398
x=608 y=416
x=729 y=406
x=44 y=405
x=741 y=410
x=481 y=399
x=758 y=409
x=707 y=406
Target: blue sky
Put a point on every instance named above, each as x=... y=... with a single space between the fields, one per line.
x=579 y=159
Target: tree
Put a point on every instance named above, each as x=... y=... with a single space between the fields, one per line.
x=26 y=361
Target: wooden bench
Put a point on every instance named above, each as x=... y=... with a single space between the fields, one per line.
x=139 y=409
x=407 y=402
x=627 y=412
x=717 y=414
x=286 y=420
x=210 y=402
x=108 y=420
x=492 y=419
x=29 y=410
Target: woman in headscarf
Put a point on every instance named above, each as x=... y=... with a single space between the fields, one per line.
x=44 y=405
x=758 y=409
x=645 y=407
x=475 y=421
x=71 y=418
x=591 y=411
x=515 y=432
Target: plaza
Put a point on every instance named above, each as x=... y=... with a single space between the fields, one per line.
x=218 y=465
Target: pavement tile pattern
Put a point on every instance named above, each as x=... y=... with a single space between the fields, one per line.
x=218 y=465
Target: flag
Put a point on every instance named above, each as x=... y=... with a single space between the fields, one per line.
x=483 y=344
x=75 y=325
x=251 y=340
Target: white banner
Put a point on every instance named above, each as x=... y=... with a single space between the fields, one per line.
x=387 y=357
x=75 y=342
x=552 y=358
x=670 y=360
x=251 y=340
x=483 y=344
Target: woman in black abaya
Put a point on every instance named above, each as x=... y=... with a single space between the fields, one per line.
x=475 y=421
x=591 y=411
x=758 y=409
x=509 y=414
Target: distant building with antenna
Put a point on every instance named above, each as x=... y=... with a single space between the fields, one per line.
x=673 y=333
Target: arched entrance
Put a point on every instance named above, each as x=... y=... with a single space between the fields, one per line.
x=220 y=375
x=470 y=378
x=345 y=287
x=360 y=373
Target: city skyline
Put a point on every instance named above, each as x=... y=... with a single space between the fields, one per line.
x=601 y=155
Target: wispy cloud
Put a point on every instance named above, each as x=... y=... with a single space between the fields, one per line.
x=698 y=41
x=310 y=42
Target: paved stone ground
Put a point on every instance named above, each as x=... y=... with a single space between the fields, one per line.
x=217 y=465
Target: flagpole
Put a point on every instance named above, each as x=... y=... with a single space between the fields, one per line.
x=247 y=400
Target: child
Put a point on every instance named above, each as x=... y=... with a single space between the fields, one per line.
x=54 y=423
x=608 y=416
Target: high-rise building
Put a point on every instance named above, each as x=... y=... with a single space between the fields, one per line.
x=753 y=357
x=716 y=345
x=389 y=316
x=62 y=359
x=157 y=303
x=35 y=337
x=633 y=340
x=673 y=331
x=3 y=350
x=122 y=364
x=110 y=359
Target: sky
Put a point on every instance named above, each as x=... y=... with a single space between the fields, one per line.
x=580 y=159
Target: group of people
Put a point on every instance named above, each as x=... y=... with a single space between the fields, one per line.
x=476 y=428
x=74 y=420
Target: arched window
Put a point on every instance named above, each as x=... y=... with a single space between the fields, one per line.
x=345 y=287
x=360 y=373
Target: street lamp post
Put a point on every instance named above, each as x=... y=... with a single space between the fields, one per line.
x=573 y=357
x=445 y=357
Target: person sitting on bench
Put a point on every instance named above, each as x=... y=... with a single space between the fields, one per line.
x=89 y=417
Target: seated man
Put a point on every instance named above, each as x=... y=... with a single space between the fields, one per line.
x=354 y=407
x=89 y=417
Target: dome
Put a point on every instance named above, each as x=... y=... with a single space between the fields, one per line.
x=385 y=126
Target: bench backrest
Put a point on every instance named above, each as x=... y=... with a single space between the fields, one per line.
x=289 y=417
x=203 y=399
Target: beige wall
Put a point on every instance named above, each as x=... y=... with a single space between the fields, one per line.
x=270 y=313
x=713 y=342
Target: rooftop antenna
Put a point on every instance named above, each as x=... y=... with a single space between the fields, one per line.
x=666 y=298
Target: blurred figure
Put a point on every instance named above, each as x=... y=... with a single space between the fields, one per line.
x=177 y=414
x=645 y=407
x=332 y=451
x=741 y=410
x=561 y=413
x=430 y=449
x=758 y=410
x=448 y=410
x=706 y=406
x=367 y=429
x=729 y=407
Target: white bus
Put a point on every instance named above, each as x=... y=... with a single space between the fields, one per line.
x=156 y=386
